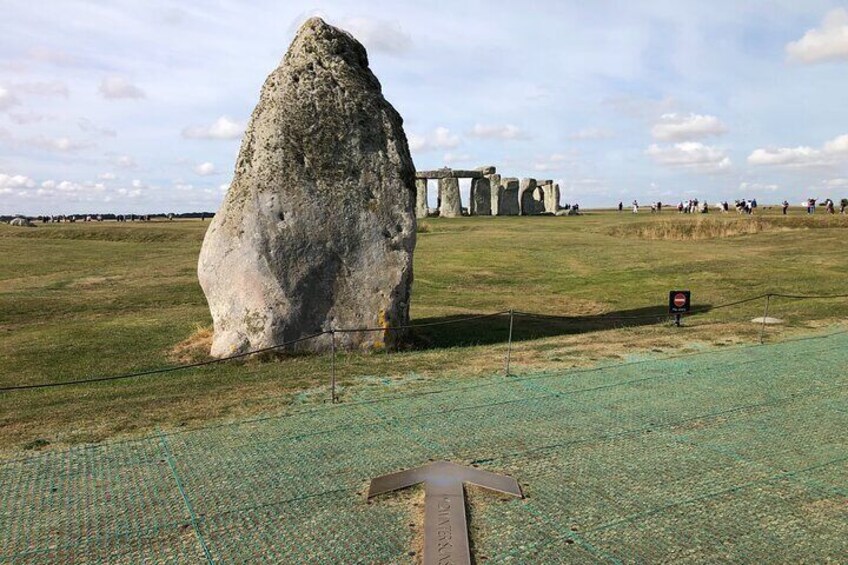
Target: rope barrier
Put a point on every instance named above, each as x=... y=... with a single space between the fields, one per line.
x=576 y=319
x=161 y=370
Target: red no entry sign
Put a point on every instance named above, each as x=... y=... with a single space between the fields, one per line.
x=679 y=301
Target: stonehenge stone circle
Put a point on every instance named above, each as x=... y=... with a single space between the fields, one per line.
x=317 y=230
x=490 y=194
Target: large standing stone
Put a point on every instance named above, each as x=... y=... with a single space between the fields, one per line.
x=318 y=227
x=496 y=190
x=551 y=197
x=450 y=204
x=420 y=198
x=528 y=202
x=481 y=197
x=509 y=198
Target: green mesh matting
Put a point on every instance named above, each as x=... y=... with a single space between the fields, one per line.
x=734 y=456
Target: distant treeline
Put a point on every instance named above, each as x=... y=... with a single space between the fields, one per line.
x=112 y=217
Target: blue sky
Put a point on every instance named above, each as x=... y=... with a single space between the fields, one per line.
x=139 y=106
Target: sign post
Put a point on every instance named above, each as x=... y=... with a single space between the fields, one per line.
x=679 y=303
x=445 y=528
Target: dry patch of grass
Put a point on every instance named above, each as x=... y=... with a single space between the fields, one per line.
x=699 y=228
x=194 y=348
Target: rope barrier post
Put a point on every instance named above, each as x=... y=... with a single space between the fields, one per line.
x=765 y=315
x=333 y=398
x=509 y=344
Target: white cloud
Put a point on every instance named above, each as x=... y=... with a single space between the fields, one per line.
x=554 y=162
x=837 y=146
x=685 y=127
x=691 y=155
x=10 y=182
x=453 y=158
x=126 y=162
x=440 y=138
x=385 y=36
x=60 y=144
x=7 y=99
x=828 y=42
x=136 y=183
x=222 y=128
x=786 y=156
x=115 y=88
x=587 y=134
x=107 y=176
x=204 y=169
x=833 y=152
x=497 y=132
x=836 y=183
x=756 y=187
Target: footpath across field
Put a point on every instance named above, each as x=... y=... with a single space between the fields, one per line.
x=737 y=455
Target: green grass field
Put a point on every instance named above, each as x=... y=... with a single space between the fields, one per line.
x=83 y=300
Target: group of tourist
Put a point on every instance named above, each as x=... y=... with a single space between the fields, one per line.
x=742 y=206
x=829 y=206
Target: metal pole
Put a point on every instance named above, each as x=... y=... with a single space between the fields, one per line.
x=509 y=344
x=333 y=366
x=765 y=315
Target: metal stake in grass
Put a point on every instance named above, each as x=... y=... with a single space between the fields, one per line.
x=765 y=317
x=332 y=366
x=509 y=344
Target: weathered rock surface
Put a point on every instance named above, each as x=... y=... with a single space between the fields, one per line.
x=529 y=200
x=447 y=172
x=552 y=196
x=481 y=197
x=420 y=198
x=450 y=205
x=496 y=192
x=509 y=198
x=317 y=229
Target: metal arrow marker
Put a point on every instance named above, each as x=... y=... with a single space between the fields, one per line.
x=445 y=528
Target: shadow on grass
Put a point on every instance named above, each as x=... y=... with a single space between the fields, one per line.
x=526 y=327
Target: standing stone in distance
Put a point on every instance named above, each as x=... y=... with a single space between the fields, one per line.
x=552 y=195
x=450 y=205
x=420 y=198
x=317 y=229
x=481 y=197
x=527 y=203
x=509 y=201
x=496 y=191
